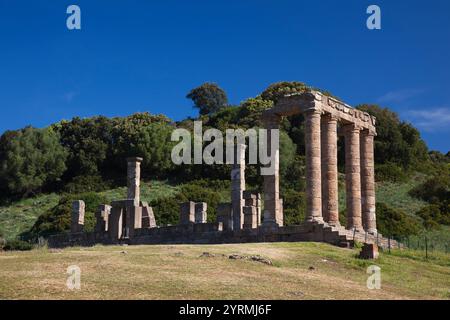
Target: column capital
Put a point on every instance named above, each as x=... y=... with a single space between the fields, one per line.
x=329 y=117
x=369 y=132
x=134 y=159
x=351 y=127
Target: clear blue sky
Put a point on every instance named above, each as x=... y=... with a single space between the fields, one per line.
x=135 y=56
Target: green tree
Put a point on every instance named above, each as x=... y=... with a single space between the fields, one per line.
x=208 y=98
x=88 y=142
x=30 y=159
x=146 y=136
x=396 y=141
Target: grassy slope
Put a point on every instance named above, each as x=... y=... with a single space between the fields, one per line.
x=178 y=272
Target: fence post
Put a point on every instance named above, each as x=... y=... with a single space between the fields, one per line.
x=389 y=243
x=426 y=247
x=354 y=233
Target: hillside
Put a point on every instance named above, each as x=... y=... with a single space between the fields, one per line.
x=299 y=271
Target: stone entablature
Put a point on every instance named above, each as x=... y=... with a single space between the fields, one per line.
x=313 y=100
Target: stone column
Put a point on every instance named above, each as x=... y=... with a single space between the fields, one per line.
x=78 y=210
x=187 y=212
x=238 y=186
x=201 y=212
x=368 y=181
x=330 y=199
x=313 y=166
x=353 y=177
x=272 y=211
x=102 y=218
x=134 y=179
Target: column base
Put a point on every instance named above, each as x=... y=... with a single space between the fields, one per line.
x=315 y=220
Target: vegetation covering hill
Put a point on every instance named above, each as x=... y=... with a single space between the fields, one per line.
x=43 y=170
x=298 y=271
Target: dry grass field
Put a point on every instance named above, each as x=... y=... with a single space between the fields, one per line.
x=299 y=271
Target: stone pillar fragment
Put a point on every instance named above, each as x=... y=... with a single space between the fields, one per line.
x=201 y=212
x=330 y=211
x=225 y=216
x=313 y=166
x=115 y=223
x=250 y=217
x=78 y=210
x=187 y=212
x=368 y=181
x=148 y=218
x=353 y=177
x=102 y=218
x=272 y=181
x=134 y=179
x=238 y=186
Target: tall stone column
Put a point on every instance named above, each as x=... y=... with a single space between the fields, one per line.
x=353 y=177
x=78 y=211
x=313 y=166
x=238 y=186
x=368 y=181
x=272 y=213
x=134 y=179
x=330 y=199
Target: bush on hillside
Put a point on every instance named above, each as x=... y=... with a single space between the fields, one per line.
x=81 y=184
x=394 y=222
x=17 y=245
x=390 y=172
x=294 y=207
x=58 y=218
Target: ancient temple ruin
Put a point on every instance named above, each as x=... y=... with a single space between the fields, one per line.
x=323 y=114
x=253 y=218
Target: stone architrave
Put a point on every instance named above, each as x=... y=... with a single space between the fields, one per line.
x=134 y=179
x=330 y=199
x=78 y=210
x=353 y=177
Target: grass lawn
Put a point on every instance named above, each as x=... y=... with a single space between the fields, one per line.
x=299 y=271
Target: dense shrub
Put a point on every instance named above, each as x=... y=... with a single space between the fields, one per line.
x=58 y=218
x=17 y=245
x=395 y=222
x=433 y=217
x=390 y=172
x=81 y=184
x=434 y=190
x=294 y=207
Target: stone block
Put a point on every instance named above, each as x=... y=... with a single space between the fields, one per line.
x=78 y=211
x=200 y=212
x=224 y=215
x=187 y=212
x=369 y=251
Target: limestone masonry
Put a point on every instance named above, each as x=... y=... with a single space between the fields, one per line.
x=243 y=220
